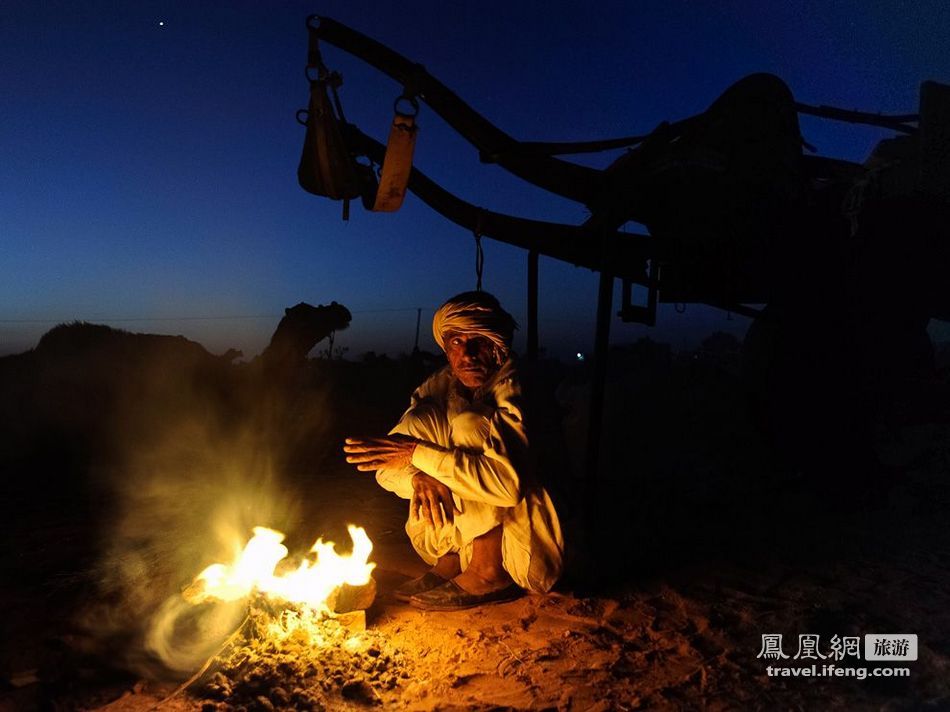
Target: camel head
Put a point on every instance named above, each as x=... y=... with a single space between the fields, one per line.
x=304 y=326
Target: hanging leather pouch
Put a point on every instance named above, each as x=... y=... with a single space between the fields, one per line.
x=326 y=166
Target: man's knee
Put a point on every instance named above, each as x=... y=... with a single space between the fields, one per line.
x=431 y=543
x=477 y=518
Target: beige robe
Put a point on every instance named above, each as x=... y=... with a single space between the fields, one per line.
x=479 y=450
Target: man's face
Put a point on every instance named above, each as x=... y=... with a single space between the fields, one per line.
x=471 y=358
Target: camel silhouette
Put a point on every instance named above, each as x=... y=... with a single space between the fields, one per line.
x=303 y=327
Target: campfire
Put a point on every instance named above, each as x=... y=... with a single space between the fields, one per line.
x=304 y=638
x=317 y=587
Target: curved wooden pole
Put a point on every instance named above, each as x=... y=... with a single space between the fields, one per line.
x=560 y=177
x=626 y=253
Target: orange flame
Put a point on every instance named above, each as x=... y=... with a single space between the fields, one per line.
x=311 y=584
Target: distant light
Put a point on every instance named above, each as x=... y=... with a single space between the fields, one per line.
x=161 y=23
x=580 y=356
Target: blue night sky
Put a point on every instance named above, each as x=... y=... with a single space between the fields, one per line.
x=148 y=171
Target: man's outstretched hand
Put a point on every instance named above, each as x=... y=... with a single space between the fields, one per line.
x=432 y=501
x=369 y=454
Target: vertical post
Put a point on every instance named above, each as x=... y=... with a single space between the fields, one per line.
x=654 y=290
x=533 y=305
x=415 y=348
x=597 y=386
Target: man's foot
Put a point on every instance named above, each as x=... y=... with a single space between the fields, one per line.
x=481 y=580
x=452 y=597
x=448 y=566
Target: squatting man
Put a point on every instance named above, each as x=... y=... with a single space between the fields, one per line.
x=460 y=455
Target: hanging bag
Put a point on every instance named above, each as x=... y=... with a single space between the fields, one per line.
x=326 y=166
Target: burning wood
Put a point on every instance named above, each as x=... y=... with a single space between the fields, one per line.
x=295 y=669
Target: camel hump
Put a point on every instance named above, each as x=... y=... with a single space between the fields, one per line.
x=79 y=337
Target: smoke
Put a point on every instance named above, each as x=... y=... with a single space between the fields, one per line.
x=182 y=636
x=199 y=464
x=186 y=500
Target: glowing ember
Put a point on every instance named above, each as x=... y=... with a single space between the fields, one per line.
x=311 y=584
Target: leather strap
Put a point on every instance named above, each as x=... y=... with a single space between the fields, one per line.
x=397 y=163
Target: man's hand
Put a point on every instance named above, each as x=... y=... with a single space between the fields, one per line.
x=432 y=501
x=369 y=454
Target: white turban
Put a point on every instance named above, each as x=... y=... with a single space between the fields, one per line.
x=476 y=313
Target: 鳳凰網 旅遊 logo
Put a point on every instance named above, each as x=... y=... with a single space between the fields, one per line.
x=839 y=655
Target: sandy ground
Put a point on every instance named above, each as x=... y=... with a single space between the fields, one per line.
x=679 y=630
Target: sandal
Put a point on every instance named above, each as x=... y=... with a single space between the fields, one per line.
x=410 y=588
x=452 y=597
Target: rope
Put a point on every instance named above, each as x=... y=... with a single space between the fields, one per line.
x=895 y=122
x=479 y=253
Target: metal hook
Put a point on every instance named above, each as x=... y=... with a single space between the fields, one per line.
x=413 y=102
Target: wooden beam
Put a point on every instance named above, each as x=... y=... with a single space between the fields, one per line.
x=560 y=177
